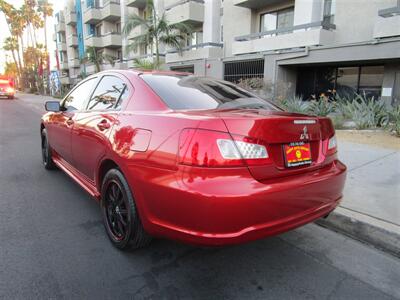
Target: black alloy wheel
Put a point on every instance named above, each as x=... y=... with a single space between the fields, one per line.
x=46 y=152
x=120 y=215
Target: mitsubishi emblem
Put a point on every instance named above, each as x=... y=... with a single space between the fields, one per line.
x=304 y=135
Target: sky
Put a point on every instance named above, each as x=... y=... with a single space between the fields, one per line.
x=57 y=6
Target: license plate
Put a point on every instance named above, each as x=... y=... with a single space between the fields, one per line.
x=297 y=154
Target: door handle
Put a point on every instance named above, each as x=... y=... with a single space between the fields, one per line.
x=103 y=125
x=70 y=122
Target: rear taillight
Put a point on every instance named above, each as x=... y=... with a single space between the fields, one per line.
x=207 y=148
x=332 y=145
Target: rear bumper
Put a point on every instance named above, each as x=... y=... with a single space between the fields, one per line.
x=228 y=206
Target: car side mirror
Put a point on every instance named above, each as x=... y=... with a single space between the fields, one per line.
x=52 y=106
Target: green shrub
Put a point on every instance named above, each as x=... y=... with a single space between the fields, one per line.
x=295 y=104
x=392 y=120
x=338 y=121
x=342 y=106
x=321 y=107
x=365 y=112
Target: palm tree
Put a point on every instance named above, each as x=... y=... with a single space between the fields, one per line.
x=157 y=31
x=11 y=44
x=92 y=56
x=46 y=9
x=15 y=25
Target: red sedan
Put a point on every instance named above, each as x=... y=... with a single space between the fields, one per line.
x=191 y=158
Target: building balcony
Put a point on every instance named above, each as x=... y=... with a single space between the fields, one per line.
x=70 y=18
x=61 y=46
x=312 y=34
x=118 y=65
x=188 y=11
x=112 y=40
x=72 y=40
x=111 y=11
x=136 y=3
x=90 y=69
x=109 y=40
x=94 y=41
x=60 y=27
x=256 y=4
x=74 y=63
x=200 y=51
x=92 y=15
x=388 y=23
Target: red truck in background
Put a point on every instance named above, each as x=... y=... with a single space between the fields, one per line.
x=7 y=86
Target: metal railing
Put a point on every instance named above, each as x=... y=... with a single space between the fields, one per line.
x=197 y=46
x=286 y=30
x=390 y=12
x=236 y=71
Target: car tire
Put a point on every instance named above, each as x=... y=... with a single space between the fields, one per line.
x=10 y=97
x=120 y=215
x=47 y=157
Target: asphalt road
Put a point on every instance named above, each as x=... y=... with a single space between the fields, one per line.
x=53 y=245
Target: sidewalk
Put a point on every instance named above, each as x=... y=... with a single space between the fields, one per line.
x=370 y=209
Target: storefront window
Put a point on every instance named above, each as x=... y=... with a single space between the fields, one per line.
x=371 y=79
x=347 y=81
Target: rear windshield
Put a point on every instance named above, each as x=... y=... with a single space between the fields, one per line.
x=192 y=92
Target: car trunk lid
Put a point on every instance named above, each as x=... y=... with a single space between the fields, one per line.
x=276 y=129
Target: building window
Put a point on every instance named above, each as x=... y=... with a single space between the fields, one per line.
x=371 y=79
x=329 y=11
x=277 y=20
x=187 y=69
x=119 y=55
x=98 y=30
x=195 y=38
x=240 y=70
x=118 y=27
x=347 y=81
x=91 y=29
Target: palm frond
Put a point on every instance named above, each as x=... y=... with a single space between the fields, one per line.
x=173 y=40
x=182 y=27
x=132 y=22
x=137 y=41
x=144 y=64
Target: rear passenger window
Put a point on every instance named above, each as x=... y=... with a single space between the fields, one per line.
x=78 y=97
x=107 y=94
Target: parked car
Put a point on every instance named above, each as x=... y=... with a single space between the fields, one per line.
x=191 y=158
x=6 y=89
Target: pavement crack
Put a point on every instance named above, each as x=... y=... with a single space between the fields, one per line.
x=372 y=161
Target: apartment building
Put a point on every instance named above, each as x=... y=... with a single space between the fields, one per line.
x=304 y=47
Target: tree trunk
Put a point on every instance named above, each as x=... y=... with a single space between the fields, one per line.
x=45 y=33
x=157 y=54
x=156 y=40
x=16 y=63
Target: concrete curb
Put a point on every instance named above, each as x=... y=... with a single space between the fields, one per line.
x=378 y=233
